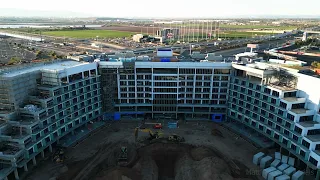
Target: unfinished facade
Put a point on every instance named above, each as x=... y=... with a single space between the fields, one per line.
x=39 y=105
x=189 y=90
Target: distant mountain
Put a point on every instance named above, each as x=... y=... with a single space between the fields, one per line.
x=4 y=12
x=9 y=12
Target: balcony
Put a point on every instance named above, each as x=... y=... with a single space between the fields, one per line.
x=313 y=138
x=9 y=151
x=293 y=100
x=309 y=124
x=14 y=133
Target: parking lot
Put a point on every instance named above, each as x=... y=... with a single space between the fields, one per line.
x=11 y=47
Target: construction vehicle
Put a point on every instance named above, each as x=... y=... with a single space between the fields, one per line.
x=123 y=157
x=176 y=138
x=155 y=135
x=157 y=126
x=152 y=135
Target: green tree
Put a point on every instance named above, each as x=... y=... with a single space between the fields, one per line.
x=39 y=54
x=14 y=60
x=53 y=53
x=315 y=64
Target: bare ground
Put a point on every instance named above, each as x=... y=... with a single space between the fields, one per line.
x=222 y=156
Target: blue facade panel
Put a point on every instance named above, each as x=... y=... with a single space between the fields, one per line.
x=217 y=117
x=117 y=116
x=165 y=60
x=172 y=125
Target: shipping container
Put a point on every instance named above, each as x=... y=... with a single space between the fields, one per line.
x=283 y=167
x=274 y=174
x=289 y=171
x=283 y=177
x=257 y=157
x=266 y=172
x=299 y=175
x=265 y=162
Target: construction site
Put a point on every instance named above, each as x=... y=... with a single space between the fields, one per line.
x=131 y=151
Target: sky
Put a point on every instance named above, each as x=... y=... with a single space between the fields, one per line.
x=159 y=8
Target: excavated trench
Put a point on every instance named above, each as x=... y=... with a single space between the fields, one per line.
x=166 y=164
x=165 y=156
x=168 y=161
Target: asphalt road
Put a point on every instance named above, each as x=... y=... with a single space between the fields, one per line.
x=263 y=46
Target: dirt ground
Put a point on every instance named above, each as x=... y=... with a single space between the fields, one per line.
x=209 y=152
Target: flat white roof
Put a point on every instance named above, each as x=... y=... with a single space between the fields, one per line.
x=143 y=64
x=57 y=66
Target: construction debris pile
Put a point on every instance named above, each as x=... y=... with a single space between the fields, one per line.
x=31 y=108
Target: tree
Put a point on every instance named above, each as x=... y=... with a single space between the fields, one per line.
x=315 y=64
x=53 y=53
x=14 y=60
x=39 y=54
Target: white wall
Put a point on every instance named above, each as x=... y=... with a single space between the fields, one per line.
x=81 y=68
x=204 y=65
x=309 y=87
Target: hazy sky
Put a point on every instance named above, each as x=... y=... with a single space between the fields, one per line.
x=159 y=8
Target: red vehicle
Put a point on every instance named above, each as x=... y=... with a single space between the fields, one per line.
x=157 y=126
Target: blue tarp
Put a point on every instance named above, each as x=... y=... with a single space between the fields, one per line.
x=172 y=125
x=165 y=60
x=216 y=117
x=117 y=116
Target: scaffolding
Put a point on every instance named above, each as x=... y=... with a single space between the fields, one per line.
x=110 y=86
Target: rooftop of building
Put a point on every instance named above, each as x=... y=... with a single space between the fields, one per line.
x=307 y=124
x=299 y=111
x=291 y=99
x=313 y=138
x=50 y=66
x=8 y=149
x=14 y=132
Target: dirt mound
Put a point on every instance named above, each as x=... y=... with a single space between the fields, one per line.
x=206 y=169
x=199 y=153
x=216 y=132
x=120 y=174
x=147 y=168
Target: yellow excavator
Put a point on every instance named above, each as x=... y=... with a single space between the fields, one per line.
x=153 y=135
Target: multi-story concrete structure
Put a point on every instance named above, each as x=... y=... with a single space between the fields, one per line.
x=168 y=33
x=279 y=104
x=190 y=90
x=39 y=105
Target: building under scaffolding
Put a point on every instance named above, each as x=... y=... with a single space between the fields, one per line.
x=39 y=105
x=109 y=76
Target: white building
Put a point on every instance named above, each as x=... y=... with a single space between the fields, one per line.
x=279 y=104
x=188 y=90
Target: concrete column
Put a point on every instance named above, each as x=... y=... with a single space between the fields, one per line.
x=34 y=161
x=72 y=132
x=6 y=178
x=16 y=175
x=68 y=79
x=25 y=167
x=50 y=148
x=42 y=154
x=318 y=174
